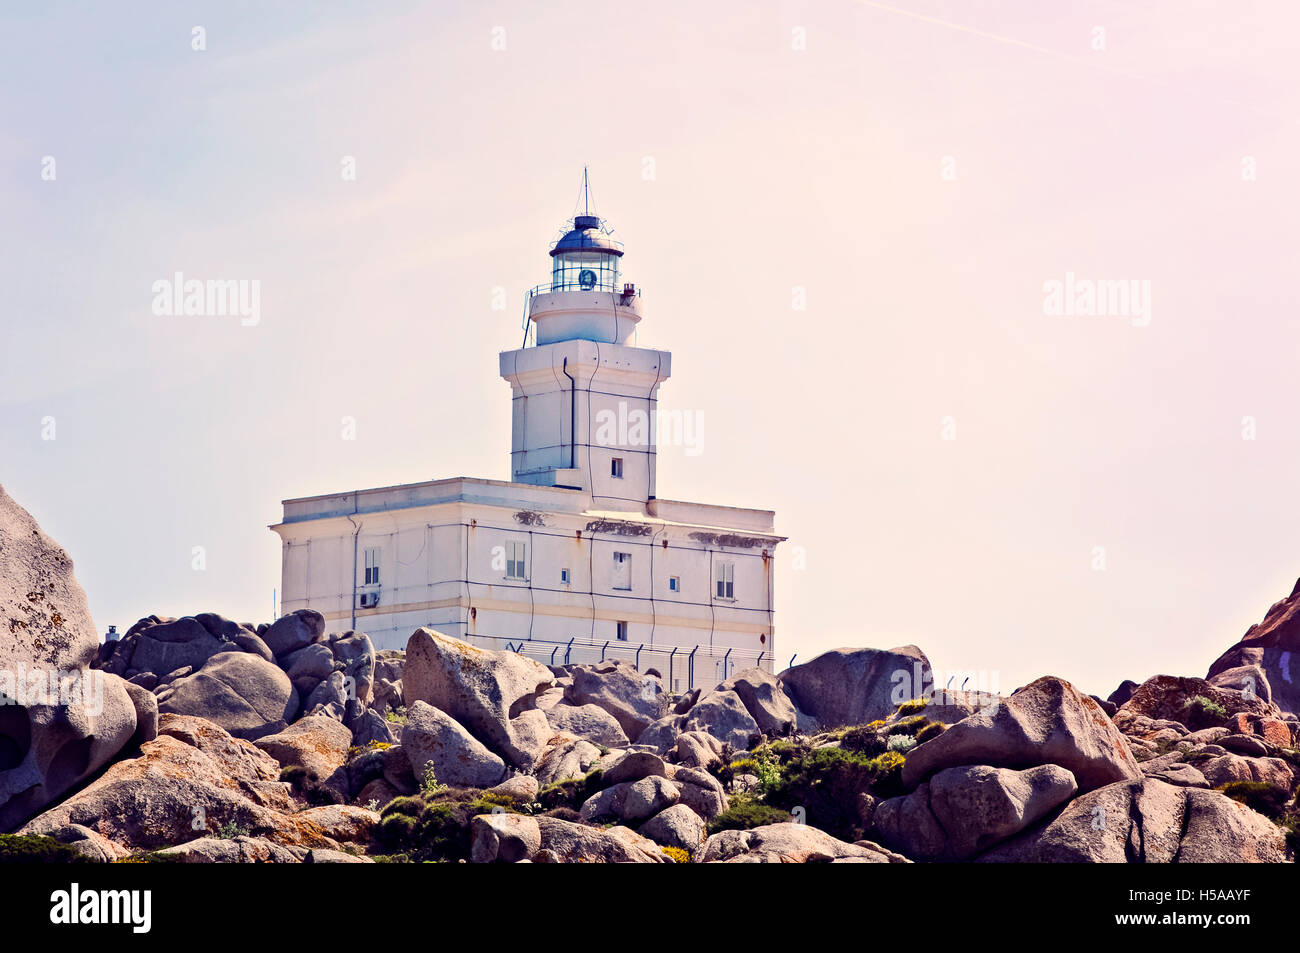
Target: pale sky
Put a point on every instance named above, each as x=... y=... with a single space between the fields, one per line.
x=920 y=169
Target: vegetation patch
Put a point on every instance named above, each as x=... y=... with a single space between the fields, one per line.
x=36 y=849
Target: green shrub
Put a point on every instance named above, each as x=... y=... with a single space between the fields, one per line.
x=828 y=784
x=676 y=855
x=862 y=739
x=901 y=743
x=569 y=793
x=909 y=726
x=933 y=730
x=912 y=707
x=1258 y=796
x=435 y=827
x=746 y=812
x=887 y=775
x=410 y=806
x=36 y=849
x=1203 y=712
x=396 y=716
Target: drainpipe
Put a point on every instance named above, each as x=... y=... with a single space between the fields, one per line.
x=573 y=413
x=356 y=532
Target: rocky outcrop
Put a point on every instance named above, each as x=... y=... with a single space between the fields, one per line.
x=243 y=693
x=633 y=698
x=853 y=686
x=1149 y=821
x=590 y=722
x=1047 y=722
x=963 y=811
x=789 y=844
x=724 y=716
x=317 y=744
x=61 y=722
x=433 y=738
x=1270 y=646
x=481 y=689
x=568 y=842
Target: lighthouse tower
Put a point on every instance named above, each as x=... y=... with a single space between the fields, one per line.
x=584 y=396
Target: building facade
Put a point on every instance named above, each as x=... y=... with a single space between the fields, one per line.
x=576 y=558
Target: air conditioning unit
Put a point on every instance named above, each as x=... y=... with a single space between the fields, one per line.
x=369 y=600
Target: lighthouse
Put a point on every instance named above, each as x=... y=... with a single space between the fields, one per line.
x=575 y=558
x=584 y=372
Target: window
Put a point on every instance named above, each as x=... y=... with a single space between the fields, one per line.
x=622 y=570
x=516 y=553
x=674 y=584
x=725 y=577
x=622 y=631
x=616 y=468
x=372 y=567
x=564 y=576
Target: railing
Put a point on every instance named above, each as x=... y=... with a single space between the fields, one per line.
x=550 y=286
x=681 y=667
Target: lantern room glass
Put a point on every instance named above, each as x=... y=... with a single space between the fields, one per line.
x=586 y=269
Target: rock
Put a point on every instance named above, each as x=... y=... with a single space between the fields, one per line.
x=329 y=698
x=91 y=845
x=633 y=698
x=146 y=714
x=371 y=728
x=233 y=850
x=571 y=843
x=1170 y=698
x=246 y=695
x=697 y=749
x=294 y=631
x=1269 y=646
x=566 y=758
x=764 y=700
x=854 y=686
x=676 y=826
x=706 y=801
x=193 y=778
x=1148 y=821
x=482 y=689
x=324 y=856
x=590 y=722
x=386 y=695
x=316 y=743
x=724 y=716
x=1245 y=745
x=458 y=758
x=342 y=823
x=1180 y=775
x=1250 y=679
x=375 y=794
x=786 y=844
x=532 y=734
x=970 y=809
x=503 y=838
x=648 y=797
x=522 y=787
x=662 y=735
x=63 y=721
x=308 y=666
x=1107 y=706
x=356 y=653
x=1227 y=768
x=1122 y=694
x=1047 y=722
x=633 y=766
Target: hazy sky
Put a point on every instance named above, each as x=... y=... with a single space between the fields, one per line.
x=914 y=172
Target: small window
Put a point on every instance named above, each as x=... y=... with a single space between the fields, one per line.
x=564 y=576
x=725 y=578
x=616 y=468
x=622 y=570
x=622 y=631
x=516 y=555
x=674 y=584
x=372 y=567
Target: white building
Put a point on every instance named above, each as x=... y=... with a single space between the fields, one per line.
x=576 y=559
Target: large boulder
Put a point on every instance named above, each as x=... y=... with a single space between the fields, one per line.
x=480 y=688
x=503 y=838
x=578 y=844
x=564 y=758
x=788 y=844
x=676 y=826
x=294 y=631
x=761 y=694
x=962 y=811
x=432 y=737
x=853 y=686
x=60 y=721
x=1048 y=721
x=318 y=744
x=244 y=694
x=587 y=721
x=1183 y=701
x=724 y=716
x=1270 y=645
x=635 y=699
x=1148 y=821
